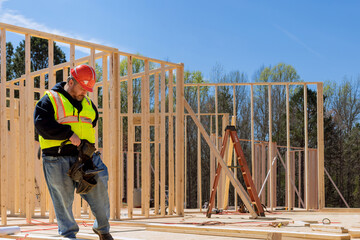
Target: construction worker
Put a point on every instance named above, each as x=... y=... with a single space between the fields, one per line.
x=63 y=117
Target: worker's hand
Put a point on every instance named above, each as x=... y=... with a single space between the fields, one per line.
x=75 y=140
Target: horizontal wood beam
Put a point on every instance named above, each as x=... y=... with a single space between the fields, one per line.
x=58 y=38
x=245 y=232
x=247 y=84
x=81 y=43
x=150 y=59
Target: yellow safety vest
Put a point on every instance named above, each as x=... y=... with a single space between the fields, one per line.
x=66 y=113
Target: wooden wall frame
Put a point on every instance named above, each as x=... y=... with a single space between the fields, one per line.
x=168 y=80
x=272 y=148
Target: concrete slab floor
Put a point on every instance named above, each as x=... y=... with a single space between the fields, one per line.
x=227 y=221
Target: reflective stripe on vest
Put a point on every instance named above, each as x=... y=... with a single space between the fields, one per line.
x=66 y=114
x=71 y=119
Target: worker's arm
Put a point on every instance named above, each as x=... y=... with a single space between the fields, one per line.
x=45 y=123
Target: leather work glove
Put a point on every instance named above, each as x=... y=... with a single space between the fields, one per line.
x=86 y=149
x=84 y=171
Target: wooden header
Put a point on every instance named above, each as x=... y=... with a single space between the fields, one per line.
x=55 y=37
x=151 y=59
x=81 y=43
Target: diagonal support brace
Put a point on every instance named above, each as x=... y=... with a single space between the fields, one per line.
x=239 y=188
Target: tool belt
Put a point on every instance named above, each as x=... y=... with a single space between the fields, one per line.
x=83 y=170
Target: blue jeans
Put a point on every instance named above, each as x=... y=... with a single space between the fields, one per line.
x=62 y=187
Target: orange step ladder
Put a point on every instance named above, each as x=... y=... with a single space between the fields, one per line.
x=231 y=130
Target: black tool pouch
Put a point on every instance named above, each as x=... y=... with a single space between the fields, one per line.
x=76 y=172
x=84 y=171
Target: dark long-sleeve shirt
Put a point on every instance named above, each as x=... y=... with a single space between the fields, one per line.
x=47 y=126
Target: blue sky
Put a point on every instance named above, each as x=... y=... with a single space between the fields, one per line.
x=319 y=38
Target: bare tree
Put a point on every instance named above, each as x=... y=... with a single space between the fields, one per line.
x=346 y=104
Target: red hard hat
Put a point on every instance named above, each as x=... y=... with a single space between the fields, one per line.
x=85 y=76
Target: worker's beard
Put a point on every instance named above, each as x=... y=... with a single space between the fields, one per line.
x=80 y=97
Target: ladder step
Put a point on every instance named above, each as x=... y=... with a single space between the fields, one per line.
x=234 y=167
